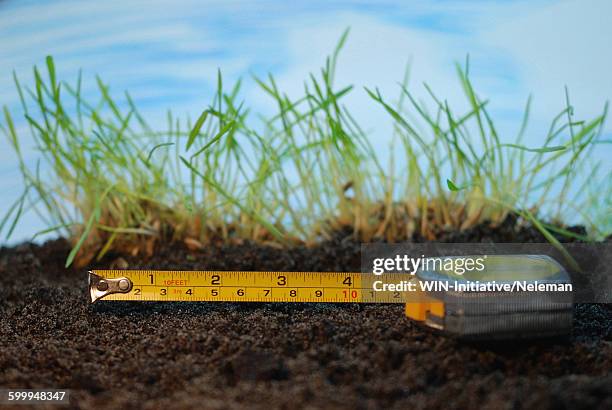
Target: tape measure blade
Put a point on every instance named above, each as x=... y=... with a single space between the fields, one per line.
x=245 y=286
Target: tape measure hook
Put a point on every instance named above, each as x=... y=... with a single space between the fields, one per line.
x=100 y=287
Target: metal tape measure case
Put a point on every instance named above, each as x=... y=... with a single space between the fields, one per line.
x=518 y=313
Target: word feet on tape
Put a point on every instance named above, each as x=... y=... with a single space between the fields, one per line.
x=458 y=305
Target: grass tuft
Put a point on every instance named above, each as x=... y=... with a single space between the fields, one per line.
x=112 y=184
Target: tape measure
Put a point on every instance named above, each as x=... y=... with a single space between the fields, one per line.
x=240 y=286
x=467 y=314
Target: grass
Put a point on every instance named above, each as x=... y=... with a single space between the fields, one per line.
x=109 y=182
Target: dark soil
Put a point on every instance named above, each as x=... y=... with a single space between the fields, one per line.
x=224 y=355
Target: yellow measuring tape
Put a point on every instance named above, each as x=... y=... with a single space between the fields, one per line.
x=242 y=286
x=465 y=314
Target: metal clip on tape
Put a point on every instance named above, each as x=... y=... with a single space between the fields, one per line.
x=100 y=287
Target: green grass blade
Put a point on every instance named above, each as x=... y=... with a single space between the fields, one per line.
x=195 y=131
x=95 y=216
x=227 y=128
x=272 y=229
x=51 y=229
x=541 y=150
x=155 y=148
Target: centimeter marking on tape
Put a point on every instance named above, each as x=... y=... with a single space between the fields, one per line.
x=242 y=286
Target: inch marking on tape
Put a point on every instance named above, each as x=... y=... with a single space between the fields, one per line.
x=243 y=286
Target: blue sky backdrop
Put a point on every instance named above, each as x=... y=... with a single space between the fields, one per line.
x=167 y=54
